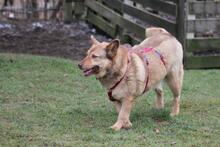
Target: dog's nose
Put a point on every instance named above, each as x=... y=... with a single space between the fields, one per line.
x=80 y=66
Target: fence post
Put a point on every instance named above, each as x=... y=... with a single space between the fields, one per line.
x=181 y=23
x=45 y=10
x=78 y=8
x=68 y=9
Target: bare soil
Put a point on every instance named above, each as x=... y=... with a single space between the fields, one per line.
x=48 y=38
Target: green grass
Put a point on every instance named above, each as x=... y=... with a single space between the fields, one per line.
x=46 y=101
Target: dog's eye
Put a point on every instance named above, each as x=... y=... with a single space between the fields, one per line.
x=94 y=56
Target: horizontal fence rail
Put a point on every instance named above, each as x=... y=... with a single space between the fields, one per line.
x=203 y=44
x=160 y=5
x=204 y=7
x=203 y=25
x=195 y=62
x=150 y=18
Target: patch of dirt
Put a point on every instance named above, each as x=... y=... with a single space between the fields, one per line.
x=48 y=38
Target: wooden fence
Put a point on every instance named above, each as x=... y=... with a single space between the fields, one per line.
x=203 y=34
x=189 y=21
x=31 y=9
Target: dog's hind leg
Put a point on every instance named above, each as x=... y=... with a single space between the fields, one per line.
x=174 y=81
x=159 y=104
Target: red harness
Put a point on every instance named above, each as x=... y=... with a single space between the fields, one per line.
x=143 y=53
x=117 y=83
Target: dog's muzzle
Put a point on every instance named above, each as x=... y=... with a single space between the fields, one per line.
x=89 y=71
x=80 y=66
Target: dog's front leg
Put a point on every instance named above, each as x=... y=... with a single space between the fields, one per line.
x=124 y=114
x=117 y=106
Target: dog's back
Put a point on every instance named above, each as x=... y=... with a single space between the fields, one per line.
x=165 y=43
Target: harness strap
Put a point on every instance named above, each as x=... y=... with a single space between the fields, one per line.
x=147 y=80
x=143 y=54
x=112 y=88
x=111 y=98
x=161 y=56
x=147 y=50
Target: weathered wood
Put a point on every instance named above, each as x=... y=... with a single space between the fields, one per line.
x=150 y=18
x=114 y=4
x=78 y=9
x=173 y=1
x=131 y=39
x=68 y=11
x=203 y=25
x=204 y=7
x=70 y=1
x=194 y=62
x=57 y=9
x=45 y=10
x=203 y=44
x=101 y=23
x=160 y=5
x=181 y=24
x=116 y=18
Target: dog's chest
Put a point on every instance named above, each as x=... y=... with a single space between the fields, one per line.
x=134 y=82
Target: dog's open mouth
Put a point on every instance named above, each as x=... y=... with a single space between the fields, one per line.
x=91 y=71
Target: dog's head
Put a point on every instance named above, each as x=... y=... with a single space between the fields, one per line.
x=99 y=58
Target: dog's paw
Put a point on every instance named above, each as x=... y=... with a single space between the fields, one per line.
x=175 y=111
x=121 y=125
x=127 y=125
x=117 y=126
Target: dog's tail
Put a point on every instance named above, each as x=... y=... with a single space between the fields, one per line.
x=154 y=31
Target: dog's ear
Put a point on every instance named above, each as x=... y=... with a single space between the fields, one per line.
x=112 y=48
x=93 y=40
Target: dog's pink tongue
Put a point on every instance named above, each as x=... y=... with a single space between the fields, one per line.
x=88 y=72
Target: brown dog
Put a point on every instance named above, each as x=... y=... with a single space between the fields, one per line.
x=129 y=72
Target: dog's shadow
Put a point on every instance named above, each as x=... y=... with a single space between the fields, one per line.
x=151 y=118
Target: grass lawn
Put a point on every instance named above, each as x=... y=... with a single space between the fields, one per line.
x=46 y=101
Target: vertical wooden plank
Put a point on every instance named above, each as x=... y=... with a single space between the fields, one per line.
x=45 y=9
x=34 y=9
x=181 y=24
x=28 y=4
x=78 y=9
x=68 y=9
x=57 y=7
